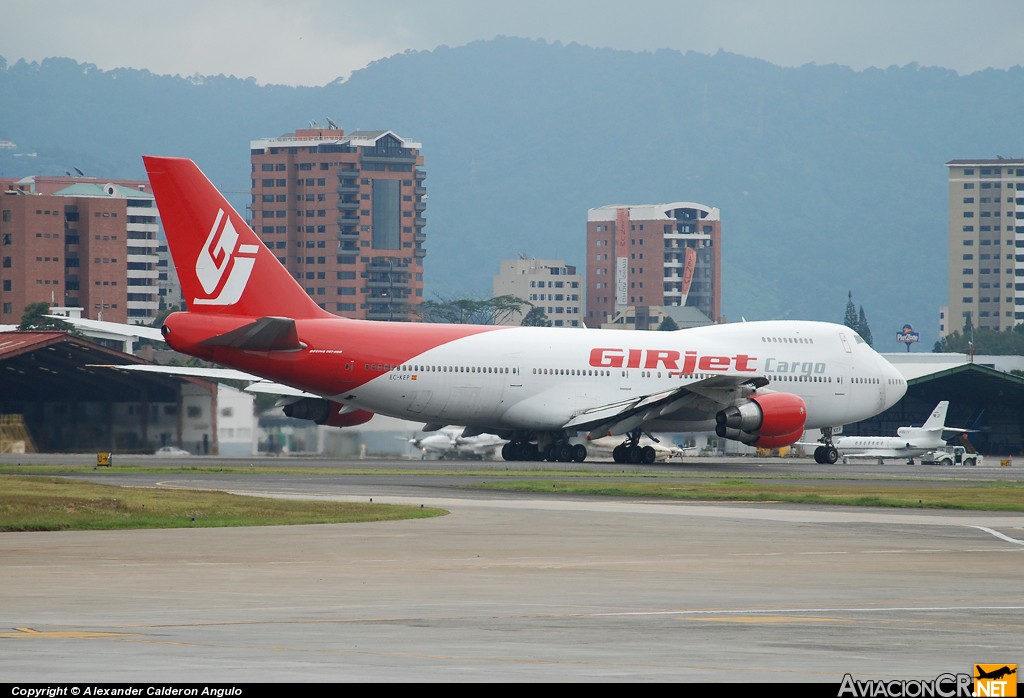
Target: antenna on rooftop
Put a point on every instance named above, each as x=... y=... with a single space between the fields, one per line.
x=331 y=124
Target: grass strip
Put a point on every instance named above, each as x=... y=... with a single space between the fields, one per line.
x=989 y=496
x=60 y=504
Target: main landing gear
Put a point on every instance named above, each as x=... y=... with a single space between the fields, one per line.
x=630 y=451
x=549 y=447
x=827 y=454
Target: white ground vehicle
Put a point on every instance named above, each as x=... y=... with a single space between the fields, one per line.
x=952 y=455
x=172 y=451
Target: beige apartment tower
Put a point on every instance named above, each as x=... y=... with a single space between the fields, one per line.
x=986 y=245
x=548 y=284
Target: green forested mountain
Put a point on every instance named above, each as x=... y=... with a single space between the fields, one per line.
x=829 y=179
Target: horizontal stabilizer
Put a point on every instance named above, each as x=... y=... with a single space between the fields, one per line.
x=256 y=384
x=118 y=329
x=209 y=373
x=266 y=334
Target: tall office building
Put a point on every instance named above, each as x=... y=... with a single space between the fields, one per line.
x=986 y=245
x=79 y=242
x=639 y=257
x=548 y=284
x=344 y=214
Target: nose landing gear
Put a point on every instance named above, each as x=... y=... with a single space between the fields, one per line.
x=826 y=454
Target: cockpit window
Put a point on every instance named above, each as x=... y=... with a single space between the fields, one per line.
x=858 y=338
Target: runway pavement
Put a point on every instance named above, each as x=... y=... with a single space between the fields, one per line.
x=516 y=588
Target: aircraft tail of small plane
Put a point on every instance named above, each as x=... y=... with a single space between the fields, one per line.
x=223 y=266
x=937 y=420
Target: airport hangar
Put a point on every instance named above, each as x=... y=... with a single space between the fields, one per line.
x=70 y=405
x=981 y=396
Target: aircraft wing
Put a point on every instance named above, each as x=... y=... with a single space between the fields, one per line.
x=704 y=397
x=256 y=384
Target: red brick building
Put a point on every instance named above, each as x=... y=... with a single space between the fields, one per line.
x=663 y=255
x=344 y=214
x=78 y=242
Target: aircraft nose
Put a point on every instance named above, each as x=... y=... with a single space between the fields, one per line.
x=895 y=383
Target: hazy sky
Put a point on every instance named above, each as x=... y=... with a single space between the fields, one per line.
x=312 y=42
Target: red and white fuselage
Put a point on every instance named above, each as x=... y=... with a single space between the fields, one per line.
x=759 y=382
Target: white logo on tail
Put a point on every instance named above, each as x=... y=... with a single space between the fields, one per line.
x=221 y=268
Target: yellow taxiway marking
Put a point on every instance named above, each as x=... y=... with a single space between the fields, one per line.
x=78 y=634
x=774 y=619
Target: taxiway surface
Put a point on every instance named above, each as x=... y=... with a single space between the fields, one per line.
x=516 y=589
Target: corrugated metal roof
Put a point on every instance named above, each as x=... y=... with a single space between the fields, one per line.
x=15 y=343
x=56 y=366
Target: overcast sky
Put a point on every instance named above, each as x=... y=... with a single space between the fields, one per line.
x=312 y=42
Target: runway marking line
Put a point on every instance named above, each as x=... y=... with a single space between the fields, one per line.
x=50 y=634
x=999 y=535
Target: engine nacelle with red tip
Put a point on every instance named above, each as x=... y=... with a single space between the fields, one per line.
x=327 y=412
x=770 y=420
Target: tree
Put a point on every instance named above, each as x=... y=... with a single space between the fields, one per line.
x=983 y=341
x=850 y=320
x=862 y=327
x=668 y=325
x=158 y=320
x=856 y=322
x=492 y=311
x=536 y=318
x=34 y=318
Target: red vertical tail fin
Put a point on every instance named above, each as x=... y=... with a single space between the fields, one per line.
x=223 y=266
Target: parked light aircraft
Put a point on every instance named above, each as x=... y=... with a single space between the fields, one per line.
x=761 y=383
x=651 y=451
x=450 y=443
x=908 y=443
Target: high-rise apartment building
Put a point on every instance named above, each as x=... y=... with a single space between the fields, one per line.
x=79 y=242
x=548 y=284
x=640 y=257
x=344 y=214
x=986 y=245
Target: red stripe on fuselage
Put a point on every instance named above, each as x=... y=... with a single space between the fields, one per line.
x=337 y=352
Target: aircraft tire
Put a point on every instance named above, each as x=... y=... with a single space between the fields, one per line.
x=579 y=453
x=830 y=455
x=649 y=454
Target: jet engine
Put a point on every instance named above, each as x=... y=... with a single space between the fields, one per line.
x=771 y=420
x=321 y=411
